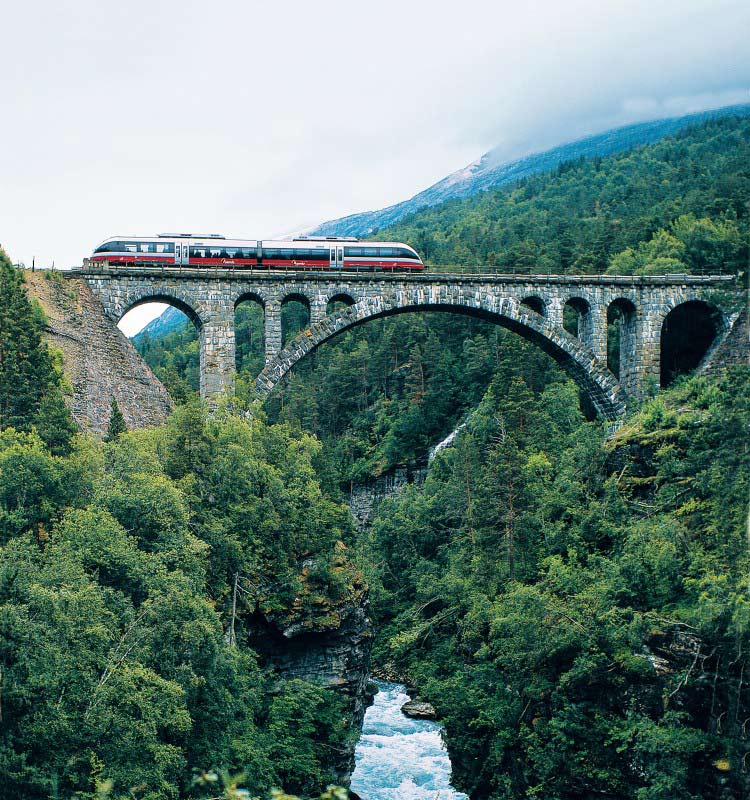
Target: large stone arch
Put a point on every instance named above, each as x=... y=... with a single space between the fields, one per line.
x=719 y=320
x=592 y=376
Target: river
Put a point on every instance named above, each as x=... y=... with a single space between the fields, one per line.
x=398 y=758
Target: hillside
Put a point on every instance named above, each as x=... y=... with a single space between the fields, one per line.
x=487 y=172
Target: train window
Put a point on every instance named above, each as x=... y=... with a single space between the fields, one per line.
x=131 y=247
x=165 y=247
x=387 y=252
x=320 y=255
x=370 y=252
x=402 y=252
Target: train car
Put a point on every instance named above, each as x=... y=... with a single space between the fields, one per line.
x=213 y=250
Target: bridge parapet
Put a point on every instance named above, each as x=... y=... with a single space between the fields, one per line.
x=533 y=306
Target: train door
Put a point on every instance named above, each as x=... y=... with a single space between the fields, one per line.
x=336 y=257
x=181 y=253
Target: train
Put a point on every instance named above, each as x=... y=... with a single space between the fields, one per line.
x=215 y=250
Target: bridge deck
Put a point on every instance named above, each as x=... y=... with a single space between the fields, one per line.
x=399 y=277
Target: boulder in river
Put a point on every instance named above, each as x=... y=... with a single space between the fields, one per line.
x=416 y=709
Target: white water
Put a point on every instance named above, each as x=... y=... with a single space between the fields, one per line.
x=447 y=442
x=399 y=758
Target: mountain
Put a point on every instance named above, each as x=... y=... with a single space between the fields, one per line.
x=169 y=320
x=487 y=172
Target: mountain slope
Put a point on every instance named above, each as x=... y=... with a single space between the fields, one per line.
x=169 y=320
x=487 y=172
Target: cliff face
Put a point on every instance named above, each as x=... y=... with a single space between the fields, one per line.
x=364 y=498
x=98 y=359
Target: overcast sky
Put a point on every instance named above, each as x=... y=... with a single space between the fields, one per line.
x=258 y=119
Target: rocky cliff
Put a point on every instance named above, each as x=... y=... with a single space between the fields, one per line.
x=98 y=359
x=325 y=639
x=363 y=498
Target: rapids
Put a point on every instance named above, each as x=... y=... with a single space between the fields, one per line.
x=398 y=758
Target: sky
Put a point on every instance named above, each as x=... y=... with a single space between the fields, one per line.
x=260 y=119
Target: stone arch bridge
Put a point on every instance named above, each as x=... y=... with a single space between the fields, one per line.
x=531 y=306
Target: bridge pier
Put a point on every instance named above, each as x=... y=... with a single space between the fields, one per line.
x=593 y=331
x=217 y=358
x=554 y=312
x=317 y=311
x=643 y=348
x=272 y=324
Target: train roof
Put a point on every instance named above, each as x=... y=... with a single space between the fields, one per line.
x=306 y=241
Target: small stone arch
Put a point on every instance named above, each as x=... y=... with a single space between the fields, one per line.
x=577 y=318
x=294 y=318
x=251 y=296
x=597 y=382
x=536 y=304
x=249 y=331
x=334 y=301
x=622 y=318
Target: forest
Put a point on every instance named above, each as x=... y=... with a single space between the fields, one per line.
x=575 y=603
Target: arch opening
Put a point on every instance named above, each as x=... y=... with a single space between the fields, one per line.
x=339 y=301
x=575 y=316
x=168 y=343
x=250 y=334
x=687 y=333
x=600 y=388
x=535 y=303
x=621 y=316
x=295 y=316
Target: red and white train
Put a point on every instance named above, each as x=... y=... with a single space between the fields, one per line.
x=213 y=250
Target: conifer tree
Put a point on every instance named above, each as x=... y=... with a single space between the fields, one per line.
x=27 y=371
x=117 y=424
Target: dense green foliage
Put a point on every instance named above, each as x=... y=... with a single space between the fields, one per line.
x=578 y=610
x=128 y=570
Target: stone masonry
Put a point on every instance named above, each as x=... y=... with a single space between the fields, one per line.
x=210 y=300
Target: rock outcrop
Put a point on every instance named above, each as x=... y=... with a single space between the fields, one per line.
x=732 y=349
x=324 y=641
x=98 y=359
x=364 y=498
